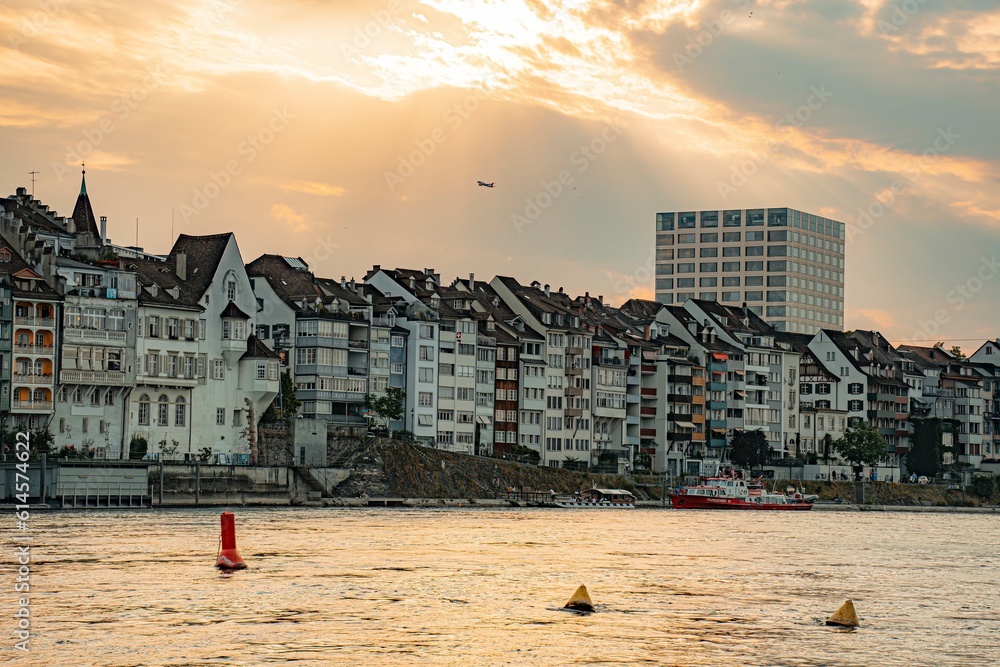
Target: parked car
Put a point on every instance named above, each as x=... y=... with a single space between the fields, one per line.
x=922 y=480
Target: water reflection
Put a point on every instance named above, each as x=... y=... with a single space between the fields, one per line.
x=486 y=587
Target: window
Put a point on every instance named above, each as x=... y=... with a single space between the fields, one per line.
x=219 y=368
x=172 y=328
x=396 y=368
x=855 y=406
x=426 y=353
x=755 y=296
x=180 y=412
x=144 y=410
x=261 y=370
x=163 y=411
x=425 y=399
x=231 y=290
x=154 y=326
x=855 y=388
x=426 y=374
x=220 y=416
x=709 y=267
x=710 y=237
x=755 y=266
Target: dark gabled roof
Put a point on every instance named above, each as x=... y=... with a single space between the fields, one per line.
x=16 y=268
x=642 y=308
x=204 y=253
x=232 y=311
x=83 y=214
x=538 y=302
x=150 y=272
x=686 y=318
x=343 y=292
x=258 y=349
x=23 y=208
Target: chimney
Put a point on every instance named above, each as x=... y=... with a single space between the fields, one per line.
x=646 y=332
x=413 y=282
x=560 y=290
x=343 y=282
x=600 y=299
x=104 y=229
x=22 y=192
x=181 y=262
x=472 y=282
x=547 y=289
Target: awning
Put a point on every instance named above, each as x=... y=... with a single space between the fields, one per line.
x=685 y=424
x=719 y=430
x=738 y=371
x=719 y=356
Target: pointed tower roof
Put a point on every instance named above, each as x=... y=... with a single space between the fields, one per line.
x=83 y=214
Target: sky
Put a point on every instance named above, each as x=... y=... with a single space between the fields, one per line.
x=353 y=133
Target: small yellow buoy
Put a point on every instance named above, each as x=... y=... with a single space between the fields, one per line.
x=845 y=616
x=580 y=600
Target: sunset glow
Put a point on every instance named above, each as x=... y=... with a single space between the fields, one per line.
x=365 y=126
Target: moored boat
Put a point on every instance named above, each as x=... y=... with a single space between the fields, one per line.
x=596 y=498
x=733 y=493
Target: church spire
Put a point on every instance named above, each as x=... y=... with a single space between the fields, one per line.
x=83 y=179
x=83 y=214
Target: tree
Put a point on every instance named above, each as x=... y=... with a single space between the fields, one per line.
x=956 y=351
x=861 y=444
x=387 y=407
x=286 y=404
x=523 y=454
x=926 y=455
x=138 y=447
x=749 y=449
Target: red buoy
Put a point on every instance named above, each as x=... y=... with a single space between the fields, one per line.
x=229 y=558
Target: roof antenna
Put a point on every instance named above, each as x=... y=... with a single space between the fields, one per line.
x=33 y=182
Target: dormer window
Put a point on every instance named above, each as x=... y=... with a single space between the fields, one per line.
x=4 y=255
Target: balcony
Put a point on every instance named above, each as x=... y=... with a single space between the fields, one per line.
x=578 y=351
x=631 y=398
x=356 y=370
x=574 y=391
x=40 y=406
x=571 y=370
x=632 y=380
x=632 y=420
x=648 y=368
x=92 y=377
x=647 y=433
x=679 y=398
x=34 y=349
x=486 y=341
x=574 y=412
x=647 y=412
x=716 y=386
x=358 y=344
x=608 y=361
x=32 y=378
x=94 y=334
x=716 y=405
x=648 y=392
x=35 y=321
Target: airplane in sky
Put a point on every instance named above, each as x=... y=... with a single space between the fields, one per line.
x=486 y=185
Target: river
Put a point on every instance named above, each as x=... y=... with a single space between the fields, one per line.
x=473 y=586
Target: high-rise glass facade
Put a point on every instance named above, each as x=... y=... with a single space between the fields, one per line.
x=785 y=265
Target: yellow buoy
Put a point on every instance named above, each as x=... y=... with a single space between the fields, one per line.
x=845 y=616
x=580 y=600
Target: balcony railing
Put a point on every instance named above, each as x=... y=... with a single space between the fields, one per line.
x=92 y=377
x=31 y=405
x=32 y=378
x=34 y=349
x=35 y=321
x=360 y=344
x=94 y=334
x=354 y=370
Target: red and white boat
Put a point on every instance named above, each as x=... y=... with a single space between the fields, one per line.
x=733 y=493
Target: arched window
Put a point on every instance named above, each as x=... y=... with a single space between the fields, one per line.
x=180 y=412
x=39 y=396
x=163 y=411
x=144 y=410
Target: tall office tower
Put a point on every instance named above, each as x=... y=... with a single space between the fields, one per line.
x=785 y=265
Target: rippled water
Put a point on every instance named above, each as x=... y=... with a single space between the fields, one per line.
x=460 y=586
